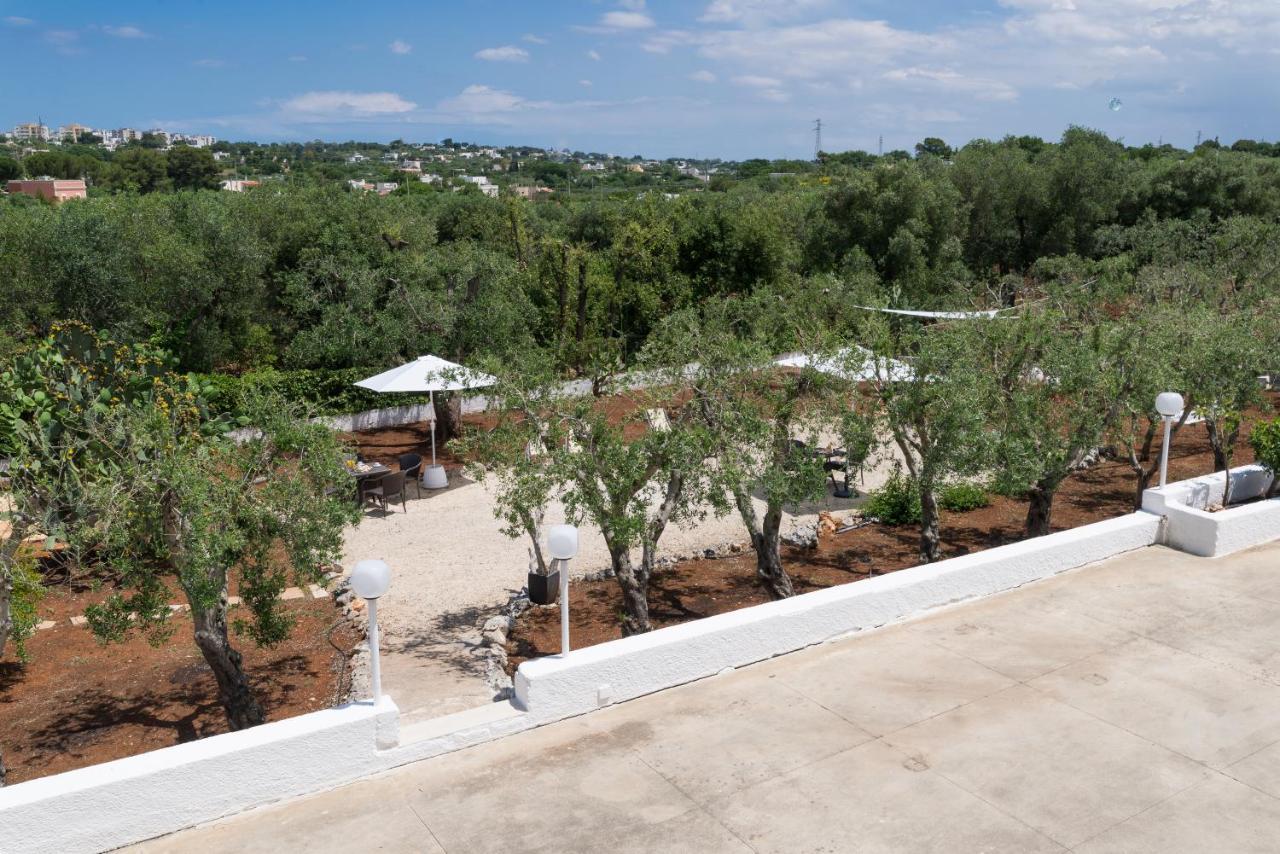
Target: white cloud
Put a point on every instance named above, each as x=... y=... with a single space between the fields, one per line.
x=633 y=5
x=65 y=42
x=945 y=80
x=506 y=53
x=478 y=100
x=625 y=21
x=593 y=55
x=124 y=32
x=757 y=11
x=400 y=47
x=347 y=104
x=533 y=39
x=756 y=81
x=703 y=76
x=585 y=83
x=18 y=21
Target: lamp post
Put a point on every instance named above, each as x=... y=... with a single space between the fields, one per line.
x=1170 y=405
x=562 y=545
x=370 y=580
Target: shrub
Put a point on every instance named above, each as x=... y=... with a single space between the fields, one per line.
x=895 y=503
x=962 y=497
x=323 y=392
x=1265 y=440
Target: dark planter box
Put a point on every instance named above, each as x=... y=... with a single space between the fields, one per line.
x=544 y=589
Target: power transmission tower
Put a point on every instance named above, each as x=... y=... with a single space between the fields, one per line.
x=817 y=138
x=880 y=150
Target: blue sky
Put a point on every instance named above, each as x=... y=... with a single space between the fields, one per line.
x=707 y=78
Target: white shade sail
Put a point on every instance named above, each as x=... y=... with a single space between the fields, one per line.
x=427 y=374
x=856 y=364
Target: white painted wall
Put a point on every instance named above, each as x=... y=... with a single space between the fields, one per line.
x=556 y=687
x=1190 y=528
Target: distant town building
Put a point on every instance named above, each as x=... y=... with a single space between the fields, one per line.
x=532 y=192
x=363 y=186
x=49 y=188
x=483 y=183
x=413 y=166
x=385 y=187
x=237 y=185
x=429 y=179
x=356 y=158
x=30 y=132
x=73 y=132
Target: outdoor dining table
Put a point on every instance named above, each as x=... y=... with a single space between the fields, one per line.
x=362 y=473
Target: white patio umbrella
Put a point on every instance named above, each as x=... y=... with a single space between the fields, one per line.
x=430 y=374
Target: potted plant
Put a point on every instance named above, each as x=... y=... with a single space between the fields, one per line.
x=544 y=587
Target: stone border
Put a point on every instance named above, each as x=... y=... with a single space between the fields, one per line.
x=556 y=687
x=1192 y=527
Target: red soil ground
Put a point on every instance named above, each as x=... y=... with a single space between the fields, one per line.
x=78 y=702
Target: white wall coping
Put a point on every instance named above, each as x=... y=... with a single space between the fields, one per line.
x=560 y=686
x=1191 y=528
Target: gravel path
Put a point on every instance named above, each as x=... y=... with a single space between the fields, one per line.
x=451 y=565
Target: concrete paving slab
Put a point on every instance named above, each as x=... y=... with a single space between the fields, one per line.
x=891 y=680
x=1054 y=767
x=1243 y=634
x=1261 y=770
x=1194 y=707
x=370 y=816
x=872 y=799
x=1020 y=643
x=763 y=729
x=1216 y=815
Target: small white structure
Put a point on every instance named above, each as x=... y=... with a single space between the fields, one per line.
x=428 y=374
x=1192 y=527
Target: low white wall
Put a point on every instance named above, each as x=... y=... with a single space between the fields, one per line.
x=1190 y=528
x=556 y=687
x=141 y=797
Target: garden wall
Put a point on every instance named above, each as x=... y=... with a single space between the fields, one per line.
x=1191 y=528
x=141 y=797
x=556 y=687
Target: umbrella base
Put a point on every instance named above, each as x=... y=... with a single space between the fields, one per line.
x=434 y=477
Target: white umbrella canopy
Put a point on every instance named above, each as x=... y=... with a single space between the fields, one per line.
x=429 y=374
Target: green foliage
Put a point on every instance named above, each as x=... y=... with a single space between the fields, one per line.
x=322 y=392
x=897 y=502
x=25 y=592
x=1265 y=440
x=963 y=496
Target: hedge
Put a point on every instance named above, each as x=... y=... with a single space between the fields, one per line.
x=324 y=392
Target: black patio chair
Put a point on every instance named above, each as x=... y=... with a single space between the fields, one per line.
x=387 y=487
x=411 y=465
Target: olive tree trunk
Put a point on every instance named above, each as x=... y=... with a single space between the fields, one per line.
x=234 y=691
x=930 y=533
x=1040 y=507
x=765 y=540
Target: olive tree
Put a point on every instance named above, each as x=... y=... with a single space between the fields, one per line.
x=923 y=385
x=176 y=507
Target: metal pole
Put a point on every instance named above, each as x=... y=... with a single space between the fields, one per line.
x=1164 y=451
x=375 y=666
x=431 y=395
x=564 y=607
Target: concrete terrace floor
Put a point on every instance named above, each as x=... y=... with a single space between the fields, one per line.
x=1133 y=705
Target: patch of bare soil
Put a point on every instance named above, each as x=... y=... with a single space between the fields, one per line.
x=78 y=702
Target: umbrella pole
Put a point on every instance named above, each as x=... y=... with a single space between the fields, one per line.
x=432 y=396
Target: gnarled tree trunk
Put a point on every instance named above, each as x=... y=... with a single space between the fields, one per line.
x=764 y=540
x=930 y=534
x=1040 y=508
x=635 y=592
x=234 y=692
